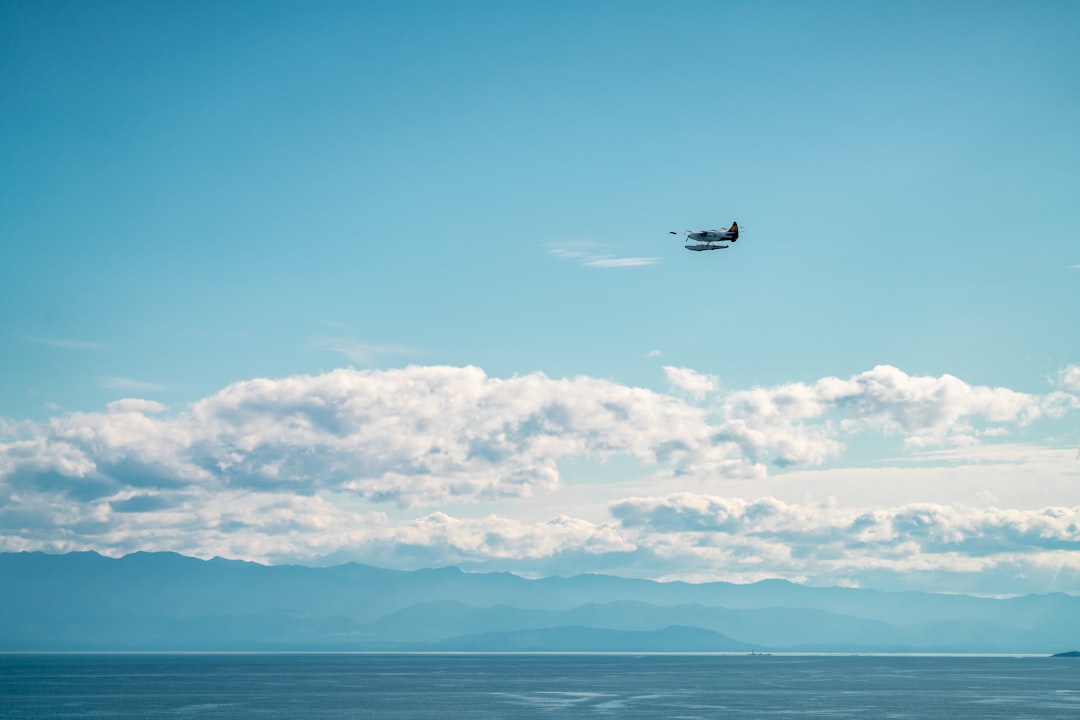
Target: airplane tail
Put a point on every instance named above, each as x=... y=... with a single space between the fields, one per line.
x=734 y=229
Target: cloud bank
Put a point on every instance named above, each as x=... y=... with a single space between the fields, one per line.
x=310 y=466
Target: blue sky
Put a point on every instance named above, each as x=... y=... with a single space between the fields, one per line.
x=348 y=200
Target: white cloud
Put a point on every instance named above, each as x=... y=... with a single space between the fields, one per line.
x=681 y=536
x=498 y=538
x=618 y=262
x=829 y=544
x=420 y=435
x=424 y=435
x=696 y=385
x=1069 y=377
x=136 y=405
x=294 y=468
x=924 y=410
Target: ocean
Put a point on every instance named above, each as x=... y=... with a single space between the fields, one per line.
x=512 y=687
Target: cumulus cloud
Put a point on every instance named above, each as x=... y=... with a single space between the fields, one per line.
x=934 y=528
x=279 y=526
x=420 y=435
x=1069 y=377
x=136 y=405
x=696 y=385
x=425 y=435
x=295 y=468
x=829 y=544
x=680 y=536
x=924 y=410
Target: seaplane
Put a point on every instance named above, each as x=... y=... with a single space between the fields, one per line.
x=709 y=239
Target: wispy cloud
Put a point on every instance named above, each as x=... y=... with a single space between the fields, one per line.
x=67 y=343
x=362 y=353
x=610 y=262
x=592 y=254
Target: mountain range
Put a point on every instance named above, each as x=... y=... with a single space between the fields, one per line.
x=165 y=601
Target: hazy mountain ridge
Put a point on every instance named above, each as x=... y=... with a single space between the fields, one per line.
x=84 y=601
x=674 y=638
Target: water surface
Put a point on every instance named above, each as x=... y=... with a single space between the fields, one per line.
x=414 y=687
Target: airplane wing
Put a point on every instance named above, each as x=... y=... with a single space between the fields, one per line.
x=714 y=231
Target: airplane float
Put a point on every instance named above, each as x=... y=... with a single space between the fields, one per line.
x=710 y=239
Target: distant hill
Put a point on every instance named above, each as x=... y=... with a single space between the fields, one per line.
x=164 y=601
x=591 y=639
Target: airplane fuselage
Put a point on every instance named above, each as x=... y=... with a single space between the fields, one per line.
x=710 y=236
